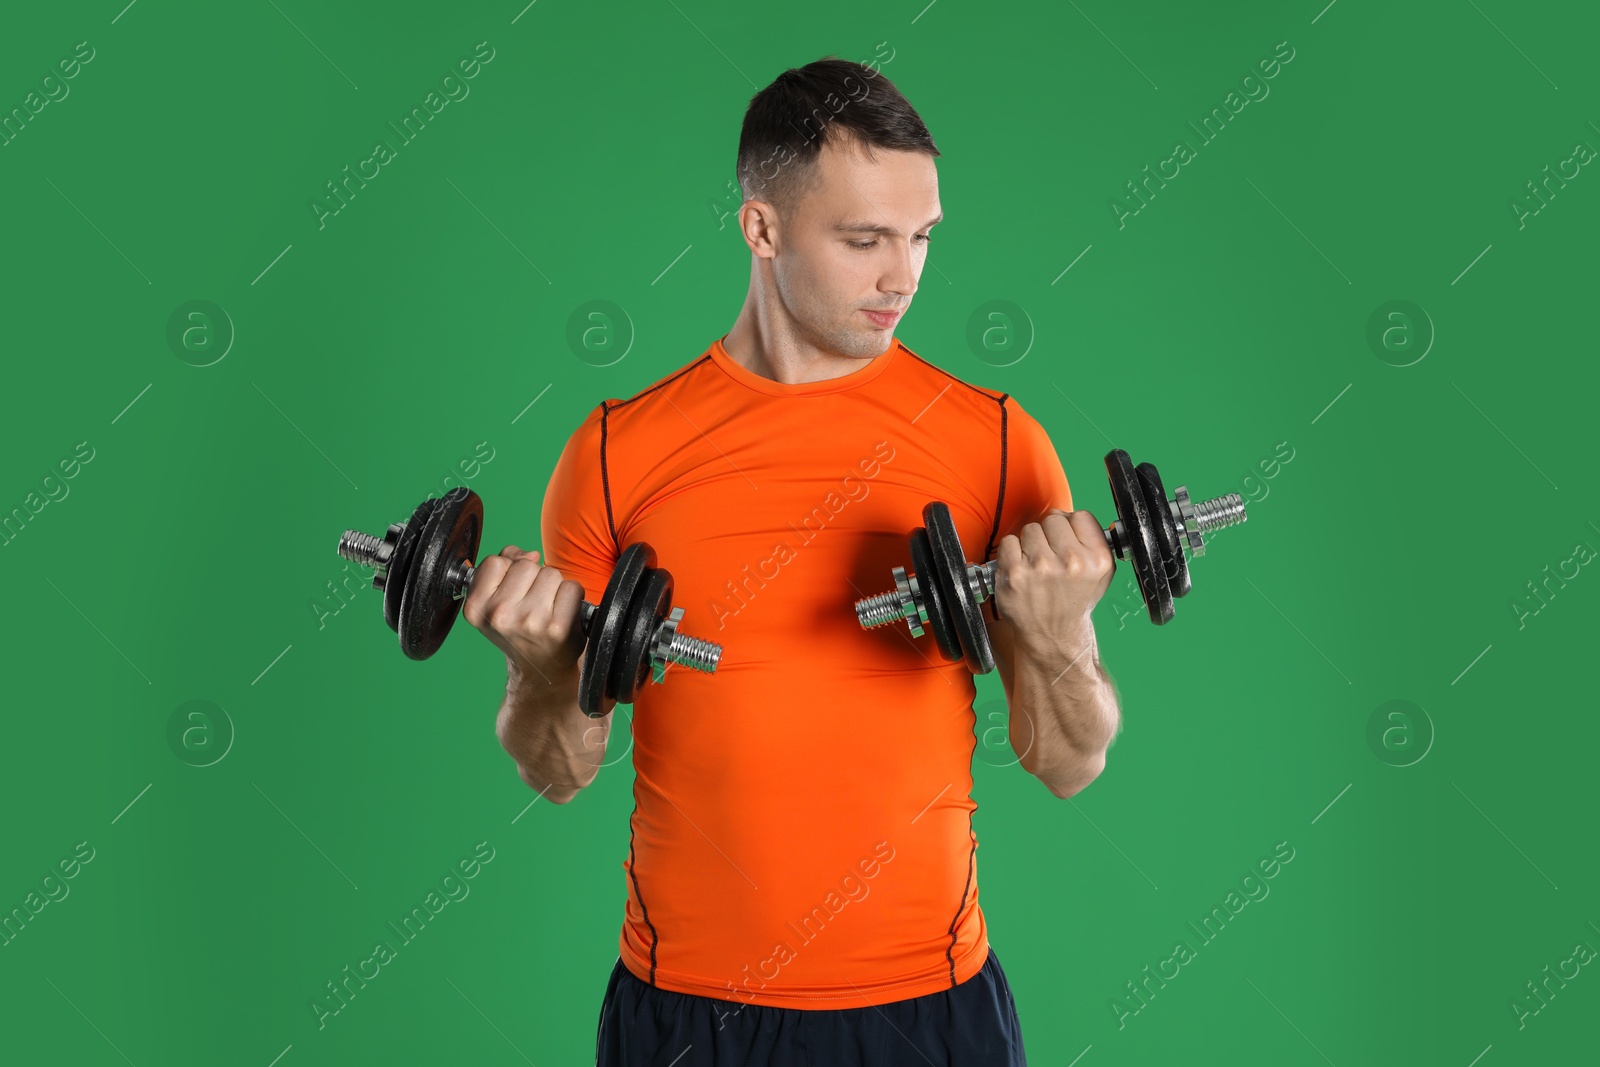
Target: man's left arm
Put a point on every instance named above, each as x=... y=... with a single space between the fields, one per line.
x=1064 y=708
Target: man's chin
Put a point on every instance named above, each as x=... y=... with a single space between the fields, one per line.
x=870 y=344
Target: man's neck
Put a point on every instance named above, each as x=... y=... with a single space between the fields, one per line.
x=780 y=356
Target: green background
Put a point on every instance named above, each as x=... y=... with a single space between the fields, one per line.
x=590 y=162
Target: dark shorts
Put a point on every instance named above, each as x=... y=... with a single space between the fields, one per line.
x=973 y=1025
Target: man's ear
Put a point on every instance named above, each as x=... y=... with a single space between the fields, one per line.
x=758 y=224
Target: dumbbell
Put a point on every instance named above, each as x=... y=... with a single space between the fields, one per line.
x=424 y=567
x=943 y=590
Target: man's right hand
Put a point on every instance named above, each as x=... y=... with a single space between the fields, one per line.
x=528 y=611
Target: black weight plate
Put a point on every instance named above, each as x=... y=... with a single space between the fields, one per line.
x=1134 y=521
x=1173 y=562
x=631 y=665
x=427 y=610
x=933 y=601
x=399 y=568
x=605 y=628
x=950 y=570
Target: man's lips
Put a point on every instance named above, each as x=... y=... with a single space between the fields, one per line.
x=883 y=318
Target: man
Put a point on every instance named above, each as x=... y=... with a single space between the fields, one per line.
x=802 y=871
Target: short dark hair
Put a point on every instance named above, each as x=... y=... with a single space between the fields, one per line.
x=831 y=99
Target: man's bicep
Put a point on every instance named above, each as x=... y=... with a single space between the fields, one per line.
x=574 y=527
x=1035 y=481
x=576 y=555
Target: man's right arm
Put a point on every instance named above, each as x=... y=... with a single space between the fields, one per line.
x=557 y=748
x=531 y=613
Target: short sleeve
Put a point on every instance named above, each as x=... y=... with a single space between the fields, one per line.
x=574 y=524
x=1033 y=481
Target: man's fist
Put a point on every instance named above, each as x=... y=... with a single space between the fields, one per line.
x=1048 y=579
x=528 y=611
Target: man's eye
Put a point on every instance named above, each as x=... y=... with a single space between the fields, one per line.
x=925 y=237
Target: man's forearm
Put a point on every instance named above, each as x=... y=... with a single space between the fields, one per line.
x=558 y=749
x=1064 y=711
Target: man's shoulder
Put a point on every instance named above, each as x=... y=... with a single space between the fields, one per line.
x=995 y=409
x=607 y=416
x=656 y=387
x=918 y=366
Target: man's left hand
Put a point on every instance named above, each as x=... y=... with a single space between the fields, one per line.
x=1048 y=579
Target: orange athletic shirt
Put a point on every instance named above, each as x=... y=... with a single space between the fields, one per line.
x=802 y=826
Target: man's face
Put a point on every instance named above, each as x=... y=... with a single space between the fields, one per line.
x=857 y=241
